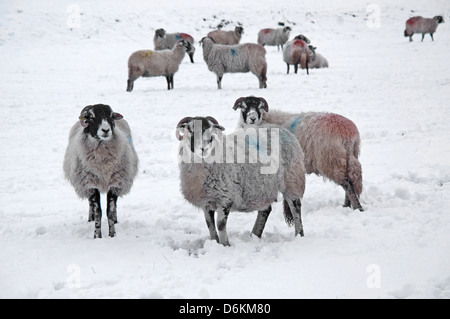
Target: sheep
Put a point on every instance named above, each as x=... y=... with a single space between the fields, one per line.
x=100 y=158
x=227 y=37
x=276 y=37
x=165 y=41
x=148 y=63
x=247 y=57
x=317 y=60
x=422 y=25
x=303 y=38
x=220 y=183
x=297 y=52
x=330 y=142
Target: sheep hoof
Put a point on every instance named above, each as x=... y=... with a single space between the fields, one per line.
x=97 y=234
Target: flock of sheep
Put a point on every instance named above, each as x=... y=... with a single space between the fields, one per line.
x=100 y=156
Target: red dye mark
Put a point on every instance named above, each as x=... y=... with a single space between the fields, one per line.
x=412 y=20
x=265 y=31
x=299 y=43
x=186 y=36
x=338 y=125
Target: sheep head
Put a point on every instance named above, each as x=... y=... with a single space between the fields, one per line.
x=199 y=134
x=98 y=121
x=160 y=33
x=252 y=109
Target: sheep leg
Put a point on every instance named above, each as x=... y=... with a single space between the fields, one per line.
x=169 y=79
x=260 y=222
x=222 y=218
x=219 y=81
x=210 y=223
x=111 y=212
x=431 y=34
x=423 y=36
x=350 y=195
x=130 y=85
x=95 y=212
x=295 y=68
x=296 y=209
x=287 y=68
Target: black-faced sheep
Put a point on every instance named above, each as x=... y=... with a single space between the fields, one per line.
x=330 y=142
x=247 y=57
x=276 y=37
x=100 y=158
x=166 y=41
x=227 y=37
x=213 y=179
x=148 y=63
x=297 y=52
x=422 y=25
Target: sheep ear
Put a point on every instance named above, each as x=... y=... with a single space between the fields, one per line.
x=238 y=103
x=263 y=105
x=116 y=116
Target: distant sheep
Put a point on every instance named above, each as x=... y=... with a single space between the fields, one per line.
x=148 y=63
x=331 y=143
x=422 y=25
x=100 y=158
x=276 y=37
x=303 y=38
x=247 y=57
x=166 y=41
x=212 y=183
x=317 y=61
x=297 y=52
x=227 y=37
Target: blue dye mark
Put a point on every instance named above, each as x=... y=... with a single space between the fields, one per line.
x=295 y=123
x=233 y=52
x=177 y=37
x=130 y=140
x=253 y=143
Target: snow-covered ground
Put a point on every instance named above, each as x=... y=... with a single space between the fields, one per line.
x=397 y=93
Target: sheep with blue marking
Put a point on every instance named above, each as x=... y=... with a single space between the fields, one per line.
x=166 y=41
x=330 y=142
x=242 y=58
x=211 y=178
x=100 y=158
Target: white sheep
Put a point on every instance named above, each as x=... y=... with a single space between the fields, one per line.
x=317 y=61
x=422 y=25
x=227 y=37
x=297 y=52
x=211 y=178
x=148 y=63
x=247 y=57
x=100 y=158
x=330 y=142
x=276 y=37
x=166 y=41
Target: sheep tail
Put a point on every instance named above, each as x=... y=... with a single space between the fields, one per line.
x=304 y=61
x=288 y=217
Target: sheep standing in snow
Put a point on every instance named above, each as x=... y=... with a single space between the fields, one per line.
x=213 y=183
x=247 y=57
x=227 y=37
x=330 y=142
x=276 y=37
x=100 y=158
x=297 y=52
x=422 y=25
x=148 y=63
x=166 y=41
x=317 y=61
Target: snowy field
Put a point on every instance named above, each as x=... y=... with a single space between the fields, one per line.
x=396 y=92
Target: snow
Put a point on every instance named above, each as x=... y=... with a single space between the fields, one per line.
x=55 y=61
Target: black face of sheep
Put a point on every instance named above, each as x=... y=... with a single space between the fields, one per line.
x=252 y=109
x=439 y=19
x=98 y=121
x=239 y=30
x=161 y=33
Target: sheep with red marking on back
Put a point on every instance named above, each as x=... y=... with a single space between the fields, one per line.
x=422 y=25
x=277 y=37
x=330 y=142
x=297 y=52
x=166 y=41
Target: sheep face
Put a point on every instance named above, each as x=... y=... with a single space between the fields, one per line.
x=199 y=134
x=287 y=30
x=239 y=30
x=160 y=33
x=252 y=109
x=98 y=121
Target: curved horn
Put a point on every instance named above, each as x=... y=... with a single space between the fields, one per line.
x=180 y=127
x=83 y=114
x=264 y=104
x=238 y=103
x=212 y=119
